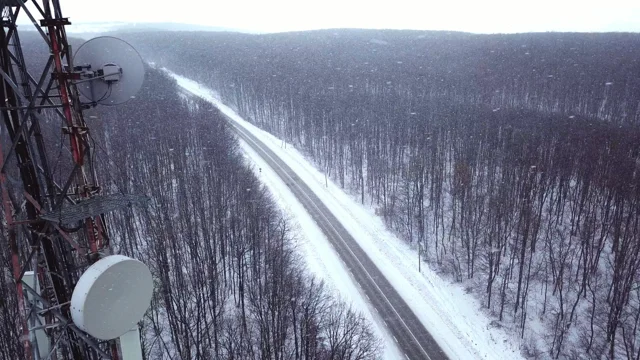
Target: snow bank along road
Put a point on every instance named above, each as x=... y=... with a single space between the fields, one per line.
x=412 y=338
x=455 y=319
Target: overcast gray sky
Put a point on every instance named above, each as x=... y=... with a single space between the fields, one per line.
x=486 y=16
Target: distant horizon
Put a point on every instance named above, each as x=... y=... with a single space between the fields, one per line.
x=85 y=26
x=277 y=16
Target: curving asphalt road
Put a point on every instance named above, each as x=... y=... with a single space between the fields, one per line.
x=410 y=335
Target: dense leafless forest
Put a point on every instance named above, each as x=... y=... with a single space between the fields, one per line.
x=228 y=284
x=512 y=162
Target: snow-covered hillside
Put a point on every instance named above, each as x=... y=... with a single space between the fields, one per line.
x=454 y=318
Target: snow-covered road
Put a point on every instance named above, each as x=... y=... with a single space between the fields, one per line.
x=453 y=318
x=404 y=333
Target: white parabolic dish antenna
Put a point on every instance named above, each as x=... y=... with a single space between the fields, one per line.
x=111 y=296
x=117 y=67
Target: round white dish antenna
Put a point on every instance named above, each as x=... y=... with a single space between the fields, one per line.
x=111 y=296
x=113 y=70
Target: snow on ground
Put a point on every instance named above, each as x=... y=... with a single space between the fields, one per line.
x=455 y=319
x=317 y=252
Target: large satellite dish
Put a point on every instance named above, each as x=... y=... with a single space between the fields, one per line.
x=111 y=296
x=113 y=70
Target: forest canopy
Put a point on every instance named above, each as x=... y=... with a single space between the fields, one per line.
x=511 y=161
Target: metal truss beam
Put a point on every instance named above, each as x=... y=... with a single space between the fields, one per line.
x=56 y=254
